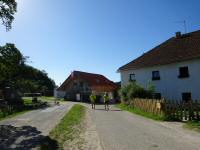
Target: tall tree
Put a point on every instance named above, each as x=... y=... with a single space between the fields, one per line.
x=10 y=61
x=7 y=10
x=23 y=78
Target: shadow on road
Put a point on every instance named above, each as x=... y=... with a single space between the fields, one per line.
x=24 y=138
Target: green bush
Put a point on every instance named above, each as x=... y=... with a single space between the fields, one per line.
x=123 y=92
x=133 y=90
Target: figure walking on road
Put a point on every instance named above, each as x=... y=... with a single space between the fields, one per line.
x=106 y=101
x=93 y=100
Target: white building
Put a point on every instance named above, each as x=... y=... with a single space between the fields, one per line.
x=173 y=67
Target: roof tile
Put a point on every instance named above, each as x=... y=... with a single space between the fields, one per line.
x=174 y=50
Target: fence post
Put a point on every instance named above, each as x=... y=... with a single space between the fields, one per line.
x=191 y=112
x=197 y=109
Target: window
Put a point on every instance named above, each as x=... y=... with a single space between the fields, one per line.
x=132 y=77
x=81 y=84
x=186 y=97
x=183 y=72
x=155 y=75
x=74 y=84
x=87 y=89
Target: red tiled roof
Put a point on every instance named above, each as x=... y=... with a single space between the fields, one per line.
x=95 y=81
x=176 y=49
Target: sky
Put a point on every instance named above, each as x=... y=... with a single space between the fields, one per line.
x=96 y=36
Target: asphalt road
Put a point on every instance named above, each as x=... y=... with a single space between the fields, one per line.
x=116 y=130
x=121 y=130
x=27 y=131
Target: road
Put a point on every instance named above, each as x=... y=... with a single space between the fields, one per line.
x=26 y=131
x=121 y=130
x=114 y=130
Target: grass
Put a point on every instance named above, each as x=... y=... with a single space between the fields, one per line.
x=69 y=127
x=47 y=97
x=141 y=113
x=50 y=98
x=27 y=101
x=15 y=113
x=193 y=125
x=12 y=115
x=43 y=98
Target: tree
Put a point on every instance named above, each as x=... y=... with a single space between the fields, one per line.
x=10 y=61
x=20 y=77
x=7 y=10
x=10 y=55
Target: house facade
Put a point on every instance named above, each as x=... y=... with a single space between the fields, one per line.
x=79 y=85
x=172 y=67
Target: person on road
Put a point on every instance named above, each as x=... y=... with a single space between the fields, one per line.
x=106 y=101
x=93 y=100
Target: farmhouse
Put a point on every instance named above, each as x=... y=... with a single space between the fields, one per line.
x=79 y=85
x=173 y=67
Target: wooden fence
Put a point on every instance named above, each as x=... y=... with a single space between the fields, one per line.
x=182 y=111
x=148 y=105
x=174 y=110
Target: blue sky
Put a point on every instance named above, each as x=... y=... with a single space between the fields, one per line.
x=95 y=36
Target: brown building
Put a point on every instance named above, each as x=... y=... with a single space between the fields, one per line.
x=79 y=85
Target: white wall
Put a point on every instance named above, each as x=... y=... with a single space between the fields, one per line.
x=169 y=85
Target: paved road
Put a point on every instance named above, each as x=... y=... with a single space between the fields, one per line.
x=121 y=130
x=26 y=131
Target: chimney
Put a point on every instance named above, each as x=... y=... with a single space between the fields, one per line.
x=178 y=34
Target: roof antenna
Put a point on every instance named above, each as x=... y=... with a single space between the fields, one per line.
x=184 y=24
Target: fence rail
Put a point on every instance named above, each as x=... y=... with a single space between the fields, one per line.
x=176 y=110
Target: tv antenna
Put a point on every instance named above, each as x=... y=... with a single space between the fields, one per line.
x=184 y=24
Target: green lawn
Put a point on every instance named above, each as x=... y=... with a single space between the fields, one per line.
x=141 y=113
x=27 y=101
x=47 y=97
x=69 y=127
x=194 y=125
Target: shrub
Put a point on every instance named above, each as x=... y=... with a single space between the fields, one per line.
x=133 y=90
x=123 y=92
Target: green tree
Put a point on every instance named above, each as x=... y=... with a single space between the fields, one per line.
x=7 y=10
x=20 y=77
x=10 y=61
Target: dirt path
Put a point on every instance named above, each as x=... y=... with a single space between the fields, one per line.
x=121 y=130
x=26 y=131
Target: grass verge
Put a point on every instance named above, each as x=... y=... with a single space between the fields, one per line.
x=193 y=125
x=69 y=128
x=141 y=113
x=12 y=115
x=28 y=106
